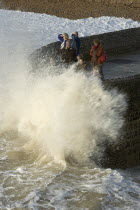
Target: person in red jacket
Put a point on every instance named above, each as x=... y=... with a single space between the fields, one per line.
x=96 y=53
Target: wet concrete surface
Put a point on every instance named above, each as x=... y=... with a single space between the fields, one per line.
x=122 y=66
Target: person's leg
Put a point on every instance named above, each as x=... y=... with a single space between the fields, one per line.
x=100 y=67
x=98 y=72
x=77 y=54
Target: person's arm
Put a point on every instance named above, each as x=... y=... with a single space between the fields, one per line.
x=60 y=37
x=91 y=51
x=99 y=52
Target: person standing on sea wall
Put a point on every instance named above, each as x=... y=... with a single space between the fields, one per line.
x=98 y=57
x=65 y=41
x=67 y=53
x=76 y=43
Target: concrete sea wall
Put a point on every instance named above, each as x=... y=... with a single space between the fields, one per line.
x=115 y=43
x=127 y=151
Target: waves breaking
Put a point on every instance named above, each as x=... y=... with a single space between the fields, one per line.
x=57 y=116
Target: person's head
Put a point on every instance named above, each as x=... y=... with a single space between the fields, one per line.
x=81 y=59
x=76 y=33
x=65 y=36
x=96 y=42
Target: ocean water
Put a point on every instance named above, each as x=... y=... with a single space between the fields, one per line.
x=50 y=124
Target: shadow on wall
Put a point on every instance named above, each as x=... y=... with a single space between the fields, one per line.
x=122 y=61
x=127 y=151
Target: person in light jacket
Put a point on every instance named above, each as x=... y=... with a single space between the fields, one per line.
x=65 y=41
x=66 y=52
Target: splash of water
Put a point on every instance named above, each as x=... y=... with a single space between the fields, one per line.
x=57 y=115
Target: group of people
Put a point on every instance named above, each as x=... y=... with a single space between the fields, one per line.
x=66 y=43
x=97 y=52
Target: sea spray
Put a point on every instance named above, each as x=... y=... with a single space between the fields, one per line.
x=59 y=116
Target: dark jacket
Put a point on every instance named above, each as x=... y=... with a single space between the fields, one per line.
x=61 y=39
x=63 y=42
x=76 y=43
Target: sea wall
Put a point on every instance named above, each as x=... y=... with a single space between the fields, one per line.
x=115 y=43
x=127 y=151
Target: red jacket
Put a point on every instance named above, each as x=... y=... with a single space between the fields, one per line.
x=96 y=52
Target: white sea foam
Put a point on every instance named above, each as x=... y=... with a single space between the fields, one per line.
x=59 y=115
x=56 y=117
x=35 y=30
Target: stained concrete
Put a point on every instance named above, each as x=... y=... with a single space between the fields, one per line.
x=122 y=66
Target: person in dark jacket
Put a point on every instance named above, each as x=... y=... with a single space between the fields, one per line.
x=76 y=43
x=96 y=52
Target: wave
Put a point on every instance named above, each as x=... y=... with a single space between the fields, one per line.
x=58 y=116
